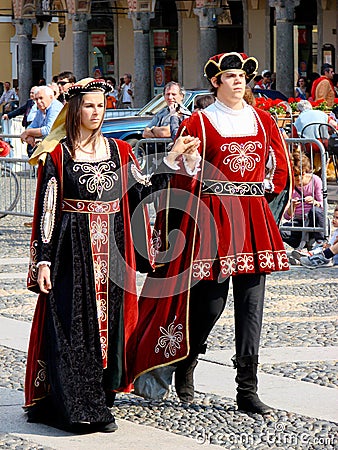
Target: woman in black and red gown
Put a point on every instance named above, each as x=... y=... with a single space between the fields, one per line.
x=90 y=235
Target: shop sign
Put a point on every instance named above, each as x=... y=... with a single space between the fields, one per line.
x=99 y=39
x=161 y=38
x=159 y=79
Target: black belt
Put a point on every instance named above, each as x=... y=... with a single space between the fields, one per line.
x=126 y=103
x=234 y=188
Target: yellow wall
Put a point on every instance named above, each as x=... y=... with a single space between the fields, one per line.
x=7 y=31
x=126 y=47
x=191 y=70
x=256 y=30
x=63 y=53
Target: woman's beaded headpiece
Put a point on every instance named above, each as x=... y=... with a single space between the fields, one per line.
x=88 y=85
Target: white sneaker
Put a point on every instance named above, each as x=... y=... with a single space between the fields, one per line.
x=316 y=260
x=297 y=254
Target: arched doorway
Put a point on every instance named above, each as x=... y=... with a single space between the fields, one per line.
x=164 y=44
x=230 y=27
x=307 y=48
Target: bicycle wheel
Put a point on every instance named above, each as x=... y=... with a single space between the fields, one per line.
x=10 y=190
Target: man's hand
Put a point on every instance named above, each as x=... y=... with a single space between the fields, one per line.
x=5 y=116
x=184 y=144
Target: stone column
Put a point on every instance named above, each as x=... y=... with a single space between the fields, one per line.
x=25 y=73
x=285 y=11
x=80 y=45
x=208 y=37
x=142 y=68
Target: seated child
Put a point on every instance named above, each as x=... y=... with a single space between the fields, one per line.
x=306 y=208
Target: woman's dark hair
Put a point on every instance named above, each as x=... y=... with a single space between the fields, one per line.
x=73 y=123
x=202 y=101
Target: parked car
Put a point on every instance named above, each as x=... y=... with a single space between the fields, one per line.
x=130 y=128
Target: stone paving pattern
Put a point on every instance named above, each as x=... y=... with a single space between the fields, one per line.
x=300 y=311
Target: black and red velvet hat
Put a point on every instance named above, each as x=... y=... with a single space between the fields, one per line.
x=225 y=62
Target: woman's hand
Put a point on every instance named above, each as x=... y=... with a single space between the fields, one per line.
x=183 y=144
x=44 y=282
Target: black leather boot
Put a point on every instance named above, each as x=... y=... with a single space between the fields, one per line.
x=246 y=379
x=184 y=381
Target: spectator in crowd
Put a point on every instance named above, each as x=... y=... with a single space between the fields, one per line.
x=126 y=92
x=66 y=79
x=322 y=87
x=298 y=254
x=112 y=96
x=42 y=82
x=322 y=259
x=160 y=126
x=202 y=101
x=7 y=97
x=48 y=110
x=307 y=116
x=55 y=89
x=265 y=82
x=306 y=203
x=301 y=89
x=27 y=111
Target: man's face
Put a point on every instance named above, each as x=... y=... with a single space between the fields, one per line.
x=329 y=73
x=43 y=100
x=232 y=88
x=173 y=95
x=126 y=79
x=64 y=84
x=7 y=86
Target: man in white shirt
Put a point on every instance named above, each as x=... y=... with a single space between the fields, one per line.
x=127 y=92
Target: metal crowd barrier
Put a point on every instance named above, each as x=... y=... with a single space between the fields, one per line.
x=315 y=151
x=17 y=182
x=150 y=151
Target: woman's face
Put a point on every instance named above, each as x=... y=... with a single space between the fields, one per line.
x=92 y=110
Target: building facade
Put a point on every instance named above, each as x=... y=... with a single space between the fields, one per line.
x=162 y=40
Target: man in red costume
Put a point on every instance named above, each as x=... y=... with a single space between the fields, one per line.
x=322 y=88
x=216 y=223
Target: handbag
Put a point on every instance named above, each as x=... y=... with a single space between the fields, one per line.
x=5 y=148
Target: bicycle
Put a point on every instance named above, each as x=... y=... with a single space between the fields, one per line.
x=9 y=188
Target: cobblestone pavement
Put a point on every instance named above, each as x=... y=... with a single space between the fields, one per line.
x=300 y=311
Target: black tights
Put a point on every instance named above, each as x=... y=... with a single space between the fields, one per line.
x=207 y=302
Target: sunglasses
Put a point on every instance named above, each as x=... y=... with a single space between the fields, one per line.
x=62 y=83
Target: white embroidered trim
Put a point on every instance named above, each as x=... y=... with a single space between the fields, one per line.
x=196 y=169
x=170 y=339
x=97 y=177
x=174 y=166
x=49 y=208
x=241 y=157
x=45 y=263
x=270 y=171
x=139 y=176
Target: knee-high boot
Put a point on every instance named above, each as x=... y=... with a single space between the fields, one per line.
x=246 y=379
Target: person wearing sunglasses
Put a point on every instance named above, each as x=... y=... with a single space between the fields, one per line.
x=65 y=80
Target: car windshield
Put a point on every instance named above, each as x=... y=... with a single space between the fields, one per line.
x=157 y=103
x=153 y=107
